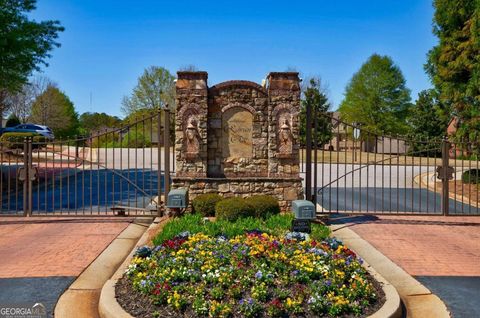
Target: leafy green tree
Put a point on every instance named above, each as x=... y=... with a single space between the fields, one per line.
x=91 y=122
x=54 y=109
x=376 y=97
x=428 y=118
x=24 y=45
x=454 y=63
x=12 y=121
x=315 y=96
x=154 y=89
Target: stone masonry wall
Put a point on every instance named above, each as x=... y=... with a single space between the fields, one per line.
x=284 y=189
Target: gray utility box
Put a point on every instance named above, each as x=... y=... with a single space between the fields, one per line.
x=303 y=210
x=177 y=198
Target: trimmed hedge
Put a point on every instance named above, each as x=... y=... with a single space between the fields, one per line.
x=471 y=176
x=205 y=203
x=232 y=209
x=16 y=139
x=264 y=205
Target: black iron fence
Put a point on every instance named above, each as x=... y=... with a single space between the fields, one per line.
x=111 y=172
x=357 y=171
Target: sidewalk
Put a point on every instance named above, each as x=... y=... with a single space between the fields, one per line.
x=438 y=251
x=41 y=257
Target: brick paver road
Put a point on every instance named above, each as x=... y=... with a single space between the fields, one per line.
x=443 y=253
x=41 y=257
x=431 y=246
x=40 y=247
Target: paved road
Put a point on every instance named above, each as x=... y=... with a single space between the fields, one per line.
x=347 y=187
x=461 y=294
x=89 y=191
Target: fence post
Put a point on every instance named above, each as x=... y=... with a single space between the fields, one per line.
x=445 y=179
x=25 y=182
x=308 y=155
x=159 y=162
x=166 y=144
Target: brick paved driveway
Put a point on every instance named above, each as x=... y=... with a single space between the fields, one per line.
x=41 y=257
x=442 y=252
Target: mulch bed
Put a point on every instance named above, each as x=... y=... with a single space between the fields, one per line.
x=141 y=306
x=467 y=190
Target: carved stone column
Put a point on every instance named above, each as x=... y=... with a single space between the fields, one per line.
x=283 y=131
x=191 y=124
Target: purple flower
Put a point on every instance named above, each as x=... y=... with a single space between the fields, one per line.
x=259 y=275
x=295 y=272
x=328 y=283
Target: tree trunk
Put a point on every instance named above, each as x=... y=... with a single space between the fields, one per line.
x=3 y=105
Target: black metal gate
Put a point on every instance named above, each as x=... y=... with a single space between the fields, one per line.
x=359 y=172
x=121 y=171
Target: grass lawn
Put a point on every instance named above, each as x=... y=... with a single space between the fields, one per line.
x=194 y=223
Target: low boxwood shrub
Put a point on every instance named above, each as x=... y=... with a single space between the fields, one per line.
x=205 y=203
x=264 y=205
x=471 y=176
x=14 y=140
x=233 y=208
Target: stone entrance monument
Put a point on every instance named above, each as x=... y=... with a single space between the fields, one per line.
x=238 y=138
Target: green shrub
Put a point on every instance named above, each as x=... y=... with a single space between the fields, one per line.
x=12 y=121
x=193 y=223
x=264 y=205
x=105 y=140
x=471 y=176
x=205 y=203
x=233 y=208
x=15 y=140
x=136 y=139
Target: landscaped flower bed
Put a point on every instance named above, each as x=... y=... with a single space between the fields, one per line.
x=254 y=274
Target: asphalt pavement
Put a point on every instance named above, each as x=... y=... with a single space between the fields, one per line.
x=460 y=294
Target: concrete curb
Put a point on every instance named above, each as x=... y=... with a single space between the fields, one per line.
x=419 y=300
x=419 y=179
x=108 y=306
x=81 y=298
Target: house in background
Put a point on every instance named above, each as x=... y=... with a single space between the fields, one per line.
x=342 y=140
x=341 y=135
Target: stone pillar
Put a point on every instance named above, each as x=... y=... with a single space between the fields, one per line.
x=283 y=132
x=191 y=124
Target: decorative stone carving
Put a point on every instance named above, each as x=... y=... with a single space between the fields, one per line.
x=192 y=138
x=285 y=139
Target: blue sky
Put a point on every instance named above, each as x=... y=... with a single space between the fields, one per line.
x=107 y=44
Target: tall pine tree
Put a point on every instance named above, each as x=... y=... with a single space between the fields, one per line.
x=454 y=64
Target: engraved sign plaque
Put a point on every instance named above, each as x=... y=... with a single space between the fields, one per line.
x=237 y=133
